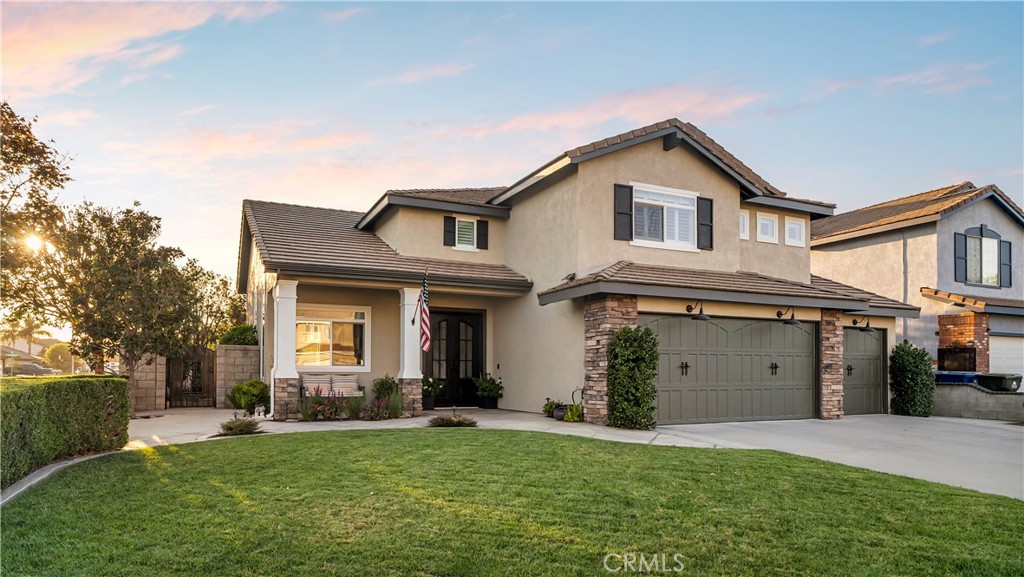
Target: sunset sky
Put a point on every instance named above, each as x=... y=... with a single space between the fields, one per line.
x=190 y=108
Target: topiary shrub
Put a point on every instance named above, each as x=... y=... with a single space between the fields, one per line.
x=240 y=335
x=913 y=383
x=632 y=366
x=240 y=426
x=51 y=419
x=247 y=395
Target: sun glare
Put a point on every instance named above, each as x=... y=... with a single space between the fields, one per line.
x=34 y=243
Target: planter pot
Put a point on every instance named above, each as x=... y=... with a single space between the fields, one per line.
x=488 y=402
x=559 y=413
x=428 y=403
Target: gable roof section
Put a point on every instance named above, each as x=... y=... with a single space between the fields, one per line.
x=626 y=277
x=464 y=200
x=978 y=303
x=323 y=241
x=908 y=211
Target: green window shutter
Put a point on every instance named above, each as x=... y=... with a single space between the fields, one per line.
x=623 y=224
x=960 y=257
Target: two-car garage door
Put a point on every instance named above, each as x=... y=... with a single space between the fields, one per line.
x=733 y=369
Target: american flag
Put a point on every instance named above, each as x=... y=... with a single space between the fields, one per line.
x=424 y=316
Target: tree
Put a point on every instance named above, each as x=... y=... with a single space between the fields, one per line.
x=59 y=356
x=211 y=306
x=31 y=330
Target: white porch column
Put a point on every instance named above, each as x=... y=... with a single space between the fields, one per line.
x=284 y=330
x=409 y=341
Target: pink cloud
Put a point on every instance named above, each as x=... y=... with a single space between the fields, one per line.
x=342 y=15
x=67 y=117
x=52 y=48
x=932 y=39
x=423 y=73
x=940 y=78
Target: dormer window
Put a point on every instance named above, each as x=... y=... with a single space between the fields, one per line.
x=981 y=258
x=463 y=233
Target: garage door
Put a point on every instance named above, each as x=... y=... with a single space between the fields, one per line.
x=733 y=369
x=863 y=372
x=1006 y=355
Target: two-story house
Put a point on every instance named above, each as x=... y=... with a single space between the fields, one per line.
x=660 y=227
x=955 y=253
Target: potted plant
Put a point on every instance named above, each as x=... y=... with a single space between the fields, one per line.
x=488 y=390
x=431 y=387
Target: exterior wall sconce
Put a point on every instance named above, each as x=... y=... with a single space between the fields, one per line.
x=867 y=327
x=700 y=316
x=791 y=321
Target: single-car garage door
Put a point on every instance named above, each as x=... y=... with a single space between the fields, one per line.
x=1006 y=355
x=863 y=372
x=733 y=369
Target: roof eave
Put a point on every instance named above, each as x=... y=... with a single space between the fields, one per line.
x=401 y=276
x=815 y=210
x=558 y=163
x=873 y=230
x=998 y=199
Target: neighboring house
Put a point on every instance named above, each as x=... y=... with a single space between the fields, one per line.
x=528 y=283
x=956 y=253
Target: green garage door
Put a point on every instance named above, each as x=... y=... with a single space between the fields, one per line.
x=863 y=372
x=733 y=369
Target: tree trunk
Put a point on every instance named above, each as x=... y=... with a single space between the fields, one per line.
x=131 y=390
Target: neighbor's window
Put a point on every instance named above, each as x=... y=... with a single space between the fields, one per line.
x=744 y=225
x=335 y=338
x=465 y=233
x=794 y=231
x=665 y=216
x=983 y=260
x=767 y=228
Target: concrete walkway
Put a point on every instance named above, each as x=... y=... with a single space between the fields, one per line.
x=986 y=456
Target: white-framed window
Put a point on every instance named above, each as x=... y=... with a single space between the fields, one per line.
x=983 y=260
x=744 y=225
x=767 y=228
x=664 y=217
x=795 y=231
x=332 y=338
x=465 y=234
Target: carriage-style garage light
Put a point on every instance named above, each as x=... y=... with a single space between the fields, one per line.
x=867 y=327
x=792 y=317
x=700 y=316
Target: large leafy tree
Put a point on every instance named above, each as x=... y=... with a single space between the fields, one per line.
x=59 y=356
x=212 y=307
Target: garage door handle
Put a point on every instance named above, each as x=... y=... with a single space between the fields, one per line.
x=775 y=368
x=849 y=370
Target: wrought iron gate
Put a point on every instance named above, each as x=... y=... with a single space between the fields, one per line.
x=191 y=381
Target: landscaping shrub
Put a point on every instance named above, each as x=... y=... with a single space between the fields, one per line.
x=395 y=405
x=573 y=413
x=431 y=387
x=488 y=386
x=353 y=407
x=247 y=395
x=51 y=419
x=549 y=407
x=632 y=366
x=384 y=387
x=913 y=383
x=239 y=426
x=240 y=335
x=451 y=421
x=377 y=410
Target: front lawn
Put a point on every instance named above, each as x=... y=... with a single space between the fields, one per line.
x=486 y=502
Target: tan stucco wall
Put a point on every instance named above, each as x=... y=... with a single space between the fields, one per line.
x=774 y=259
x=681 y=169
x=719 y=309
x=420 y=232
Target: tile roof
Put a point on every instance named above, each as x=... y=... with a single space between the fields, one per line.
x=629 y=272
x=696 y=134
x=472 y=196
x=322 y=240
x=931 y=203
x=978 y=301
x=873 y=299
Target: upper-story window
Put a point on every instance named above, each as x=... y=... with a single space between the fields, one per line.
x=767 y=228
x=982 y=258
x=665 y=216
x=465 y=233
x=795 y=228
x=744 y=225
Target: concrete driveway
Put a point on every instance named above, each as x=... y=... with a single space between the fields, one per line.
x=986 y=456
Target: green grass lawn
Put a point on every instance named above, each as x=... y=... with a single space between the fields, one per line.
x=486 y=502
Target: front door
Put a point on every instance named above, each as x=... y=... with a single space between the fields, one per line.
x=456 y=356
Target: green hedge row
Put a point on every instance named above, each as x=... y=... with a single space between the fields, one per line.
x=43 y=420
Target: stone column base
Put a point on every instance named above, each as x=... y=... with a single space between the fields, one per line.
x=602 y=316
x=412 y=395
x=286 y=399
x=831 y=355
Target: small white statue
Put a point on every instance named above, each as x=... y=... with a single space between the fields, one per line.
x=261 y=411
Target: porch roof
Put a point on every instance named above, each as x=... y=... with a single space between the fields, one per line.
x=977 y=303
x=625 y=277
x=293 y=239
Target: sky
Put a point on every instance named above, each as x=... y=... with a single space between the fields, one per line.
x=191 y=108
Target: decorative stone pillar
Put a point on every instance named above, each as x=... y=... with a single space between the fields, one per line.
x=285 y=399
x=284 y=375
x=966 y=330
x=412 y=395
x=831 y=355
x=602 y=315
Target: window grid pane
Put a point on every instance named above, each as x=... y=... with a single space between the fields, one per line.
x=312 y=344
x=990 y=261
x=974 y=259
x=647 y=222
x=347 y=346
x=465 y=233
x=679 y=225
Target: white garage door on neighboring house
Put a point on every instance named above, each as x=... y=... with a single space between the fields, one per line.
x=1006 y=355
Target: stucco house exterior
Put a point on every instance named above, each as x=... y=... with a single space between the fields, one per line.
x=954 y=252
x=527 y=282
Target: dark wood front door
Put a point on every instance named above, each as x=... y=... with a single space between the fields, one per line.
x=456 y=356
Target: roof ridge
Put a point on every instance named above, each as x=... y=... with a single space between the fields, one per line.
x=613 y=268
x=455 y=189
x=250 y=201
x=953 y=188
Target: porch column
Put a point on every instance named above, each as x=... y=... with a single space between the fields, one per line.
x=830 y=394
x=410 y=377
x=284 y=398
x=602 y=316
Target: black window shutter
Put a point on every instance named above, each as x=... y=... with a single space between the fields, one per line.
x=705 y=223
x=481 y=234
x=623 y=212
x=449 y=231
x=1005 y=270
x=960 y=257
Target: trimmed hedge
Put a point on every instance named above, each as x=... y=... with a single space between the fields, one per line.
x=913 y=382
x=632 y=367
x=240 y=335
x=51 y=419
